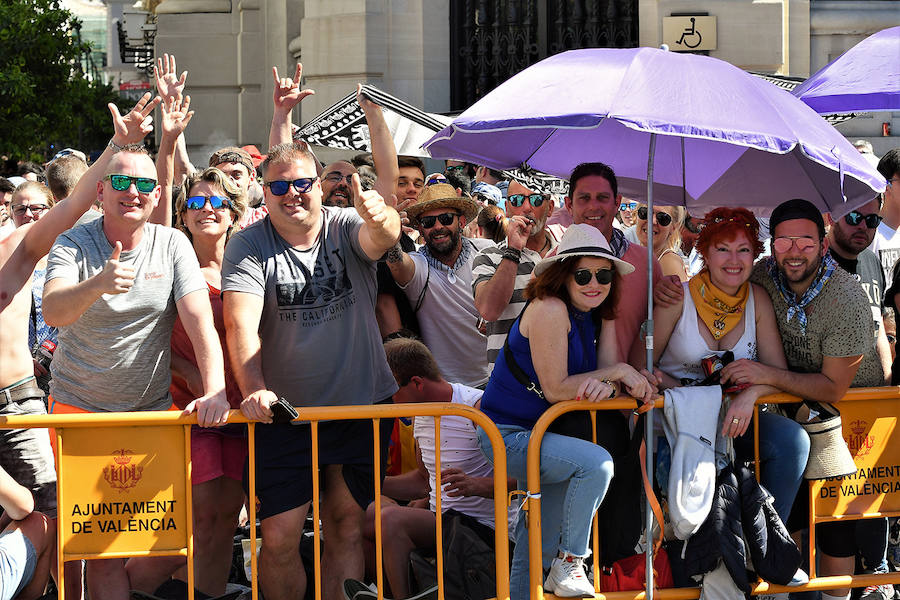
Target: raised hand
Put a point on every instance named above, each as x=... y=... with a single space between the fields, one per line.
x=519 y=231
x=287 y=92
x=364 y=102
x=136 y=123
x=369 y=204
x=116 y=278
x=168 y=84
x=175 y=115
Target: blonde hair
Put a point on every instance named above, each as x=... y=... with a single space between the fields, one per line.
x=673 y=242
x=37 y=186
x=236 y=198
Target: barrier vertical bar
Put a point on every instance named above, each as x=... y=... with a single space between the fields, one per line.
x=812 y=529
x=438 y=519
x=595 y=522
x=189 y=499
x=317 y=535
x=756 y=466
x=60 y=521
x=251 y=500
x=376 y=462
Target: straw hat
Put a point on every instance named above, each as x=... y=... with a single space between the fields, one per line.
x=828 y=453
x=443 y=195
x=583 y=240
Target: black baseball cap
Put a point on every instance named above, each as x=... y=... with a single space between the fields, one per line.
x=797 y=209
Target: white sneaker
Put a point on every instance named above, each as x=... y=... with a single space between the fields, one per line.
x=567 y=578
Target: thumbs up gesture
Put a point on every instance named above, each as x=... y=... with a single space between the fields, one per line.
x=369 y=204
x=116 y=278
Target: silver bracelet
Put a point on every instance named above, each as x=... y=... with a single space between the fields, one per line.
x=115 y=146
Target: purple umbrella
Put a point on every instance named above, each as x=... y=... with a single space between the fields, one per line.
x=723 y=137
x=865 y=78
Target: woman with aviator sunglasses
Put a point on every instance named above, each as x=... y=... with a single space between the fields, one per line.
x=667 y=223
x=551 y=355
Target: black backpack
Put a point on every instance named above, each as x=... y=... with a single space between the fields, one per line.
x=468 y=565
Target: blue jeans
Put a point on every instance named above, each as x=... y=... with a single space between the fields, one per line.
x=783 y=451
x=574 y=478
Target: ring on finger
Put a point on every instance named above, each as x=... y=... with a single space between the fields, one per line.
x=736 y=421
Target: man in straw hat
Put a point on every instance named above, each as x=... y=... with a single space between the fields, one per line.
x=438 y=282
x=829 y=341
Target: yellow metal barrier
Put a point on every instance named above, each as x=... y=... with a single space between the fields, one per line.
x=132 y=423
x=888 y=395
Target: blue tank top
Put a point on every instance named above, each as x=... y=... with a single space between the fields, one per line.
x=506 y=401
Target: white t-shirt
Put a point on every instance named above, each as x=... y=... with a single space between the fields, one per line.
x=459 y=449
x=886 y=246
x=448 y=317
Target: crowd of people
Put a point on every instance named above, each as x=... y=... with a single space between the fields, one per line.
x=131 y=284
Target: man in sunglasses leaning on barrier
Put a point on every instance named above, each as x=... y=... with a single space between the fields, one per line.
x=113 y=287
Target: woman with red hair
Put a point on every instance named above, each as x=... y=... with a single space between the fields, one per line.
x=722 y=311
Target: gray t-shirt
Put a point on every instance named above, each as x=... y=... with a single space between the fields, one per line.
x=115 y=357
x=320 y=341
x=448 y=317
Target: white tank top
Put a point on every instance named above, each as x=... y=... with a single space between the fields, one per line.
x=686 y=347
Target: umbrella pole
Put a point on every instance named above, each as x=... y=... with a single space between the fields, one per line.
x=648 y=338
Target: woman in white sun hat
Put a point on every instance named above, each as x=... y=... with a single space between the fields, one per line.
x=551 y=355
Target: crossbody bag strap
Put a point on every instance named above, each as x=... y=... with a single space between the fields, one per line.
x=517 y=372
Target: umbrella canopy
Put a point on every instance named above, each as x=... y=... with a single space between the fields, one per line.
x=343 y=124
x=723 y=137
x=865 y=78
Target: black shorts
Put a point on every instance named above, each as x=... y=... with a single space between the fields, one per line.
x=834 y=538
x=284 y=461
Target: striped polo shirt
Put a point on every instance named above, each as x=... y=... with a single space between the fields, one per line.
x=483 y=268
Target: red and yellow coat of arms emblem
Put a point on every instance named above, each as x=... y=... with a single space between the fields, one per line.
x=121 y=474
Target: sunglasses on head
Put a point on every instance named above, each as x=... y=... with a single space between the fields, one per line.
x=854 y=217
x=445 y=219
x=435 y=179
x=784 y=243
x=215 y=202
x=662 y=219
x=519 y=199
x=120 y=183
x=583 y=276
x=281 y=187
x=628 y=205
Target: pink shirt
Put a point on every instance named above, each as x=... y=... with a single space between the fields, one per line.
x=632 y=308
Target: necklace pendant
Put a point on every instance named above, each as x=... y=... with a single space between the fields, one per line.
x=451 y=277
x=719 y=324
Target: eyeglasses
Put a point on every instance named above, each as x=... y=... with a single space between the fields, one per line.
x=784 y=243
x=335 y=177
x=628 y=205
x=854 y=217
x=455 y=168
x=280 y=187
x=445 y=219
x=120 y=183
x=583 y=276
x=662 y=219
x=519 y=199
x=36 y=209
x=215 y=202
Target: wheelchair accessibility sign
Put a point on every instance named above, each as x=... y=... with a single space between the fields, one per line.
x=689 y=33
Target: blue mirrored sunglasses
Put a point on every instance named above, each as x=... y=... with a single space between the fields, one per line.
x=281 y=187
x=198 y=202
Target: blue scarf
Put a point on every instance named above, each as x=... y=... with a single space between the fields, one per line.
x=618 y=244
x=795 y=306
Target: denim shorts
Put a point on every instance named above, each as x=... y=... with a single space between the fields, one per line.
x=26 y=455
x=18 y=561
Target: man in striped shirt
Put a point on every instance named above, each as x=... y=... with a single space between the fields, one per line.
x=501 y=272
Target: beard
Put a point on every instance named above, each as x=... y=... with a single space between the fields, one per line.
x=812 y=266
x=444 y=247
x=332 y=199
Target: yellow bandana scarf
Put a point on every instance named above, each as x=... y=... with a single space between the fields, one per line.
x=719 y=311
